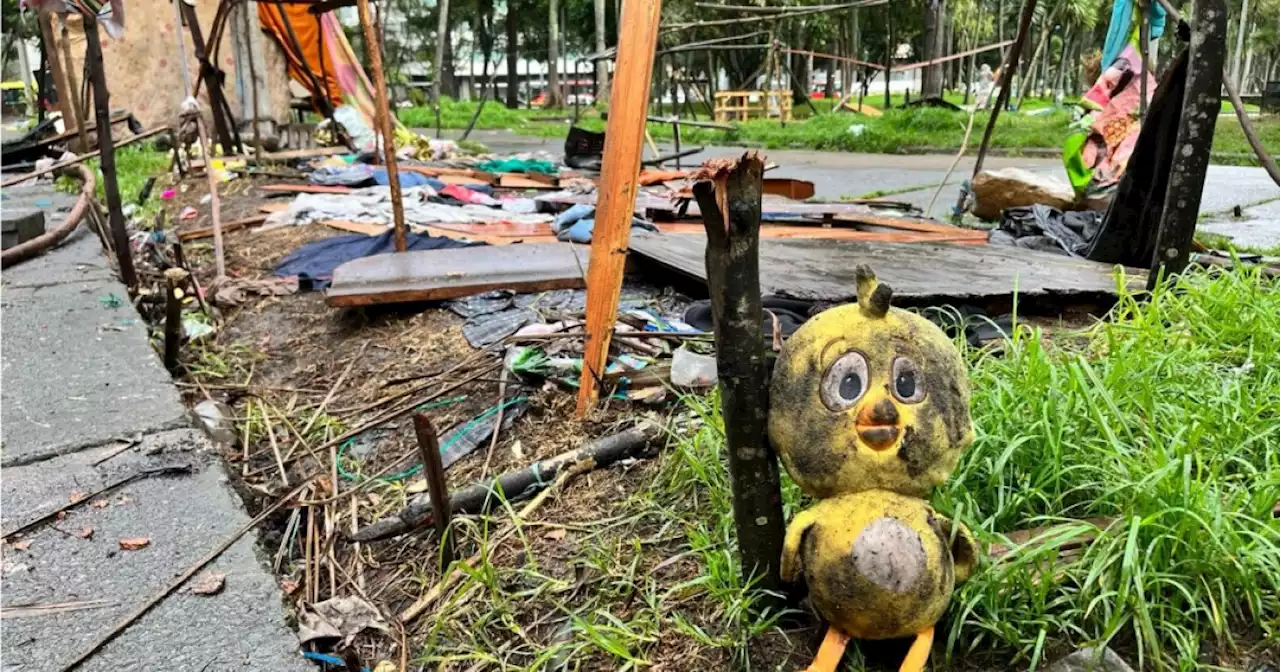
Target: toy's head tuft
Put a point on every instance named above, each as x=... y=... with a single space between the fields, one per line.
x=867 y=396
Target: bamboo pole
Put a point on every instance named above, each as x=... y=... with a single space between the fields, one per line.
x=373 y=50
x=624 y=137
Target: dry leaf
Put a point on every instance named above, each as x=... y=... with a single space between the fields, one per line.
x=289 y=586
x=415 y=487
x=209 y=583
x=76 y=496
x=135 y=543
x=124 y=499
x=85 y=533
x=99 y=503
x=517 y=450
x=555 y=534
x=22 y=545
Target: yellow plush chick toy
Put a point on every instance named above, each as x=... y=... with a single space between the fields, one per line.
x=869 y=410
x=866 y=396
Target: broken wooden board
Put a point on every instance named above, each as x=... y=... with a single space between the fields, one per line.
x=463 y=180
x=287 y=155
x=473 y=232
x=290 y=189
x=817 y=231
x=227 y=227
x=791 y=188
x=823 y=270
x=428 y=275
x=527 y=181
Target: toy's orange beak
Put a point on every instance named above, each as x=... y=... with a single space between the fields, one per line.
x=877 y=424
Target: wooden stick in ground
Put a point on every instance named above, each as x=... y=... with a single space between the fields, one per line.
x=214 y=206
x=107 y=153
x=729 y=194
x=275 y=447
x=964 y=145
x=83 y=157
x=497 y=425
x=1006 y=79
x=437 y=487
x=623 y=139
x=373 y=51
x=186 y=576
x=414 y=610
x=176 y=279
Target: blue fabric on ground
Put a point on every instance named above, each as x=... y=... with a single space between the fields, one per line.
x=314 y=263
x=407 y=179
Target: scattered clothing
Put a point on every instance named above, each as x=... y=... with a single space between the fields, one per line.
x=517 y=165
x=374 y=205
x=577 y=223
x=314 y=263
x=231 y=292
x=358 y=175
x=466 y=195
x=788 y=313
x=1041 y=227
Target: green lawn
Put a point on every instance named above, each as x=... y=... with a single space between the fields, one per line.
x=1040 y=126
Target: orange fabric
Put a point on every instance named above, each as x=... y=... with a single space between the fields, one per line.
x=307 y=30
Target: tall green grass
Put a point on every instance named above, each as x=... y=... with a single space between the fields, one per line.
x=1165 y=417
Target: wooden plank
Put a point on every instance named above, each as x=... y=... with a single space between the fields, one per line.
x=304 y=189
x=464 y=180
x=428 y=275
x=474 y=232
x=517 y=181
x=278 y=157
x=823 y=269
x=624 y=137
x=842 y=233
x=913 y=224
x=207 y=232
x=788 y=187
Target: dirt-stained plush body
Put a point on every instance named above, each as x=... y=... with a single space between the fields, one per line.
x=869 y=411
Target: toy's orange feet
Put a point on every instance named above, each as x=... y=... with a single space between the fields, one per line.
x=918 y=655
x=831 y=651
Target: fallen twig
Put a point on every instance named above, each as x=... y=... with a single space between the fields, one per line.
x=29 y=610
x=186 y=576
x=145 y=473
x=416 y=609
x=511 y=486
x=403 y=409
x=497 y=425
x=333 y=390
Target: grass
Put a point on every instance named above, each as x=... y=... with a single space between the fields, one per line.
x=134 y=165
x=898 y=131
x=1165 y=418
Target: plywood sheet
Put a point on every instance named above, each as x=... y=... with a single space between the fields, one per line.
x=428 y=275
x=824 y=269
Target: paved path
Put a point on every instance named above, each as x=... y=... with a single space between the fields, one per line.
x=79 y=373
x=914 y=178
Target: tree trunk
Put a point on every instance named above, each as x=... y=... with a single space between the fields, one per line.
x=442 y=47
x=730 y=204
x=888 y=57
x=553 y=98
x=971 y=75
x=602 y=67
x=1244 y=81
x=1060 y=80
x=829 y=91
x=513 y=56
x=931 y=75
x=951 y=69
x=1028 y=75
x=1242 y=24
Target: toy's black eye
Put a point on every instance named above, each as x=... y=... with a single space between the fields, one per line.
x=845 y=382
x=908 y=384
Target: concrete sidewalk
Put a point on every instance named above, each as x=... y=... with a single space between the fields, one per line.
x=79 y=375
